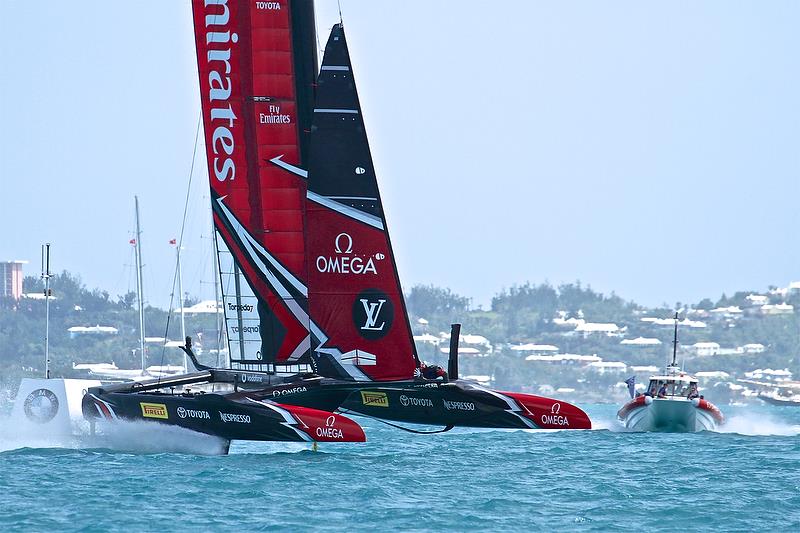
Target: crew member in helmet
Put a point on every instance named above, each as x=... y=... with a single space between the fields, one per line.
x=432 y=372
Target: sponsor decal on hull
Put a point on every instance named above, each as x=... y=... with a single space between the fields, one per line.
x=374 y=399
x=233 y=417
x=41 y=406
x=329 y=431
x=251 y=378
x=192 y=413
x=154 y=410
x=284 y=392
x=554 y=418
x=458 y=406
x=410 y=401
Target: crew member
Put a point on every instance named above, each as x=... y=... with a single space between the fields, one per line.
x=693 y=392
x=432 y=372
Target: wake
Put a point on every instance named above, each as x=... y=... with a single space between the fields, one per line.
x=121 y=436
x=751 y=424
x=758 y=424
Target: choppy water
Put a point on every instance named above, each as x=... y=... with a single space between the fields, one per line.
x=745 y=478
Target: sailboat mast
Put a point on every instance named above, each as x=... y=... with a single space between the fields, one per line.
x=216 y=292
x=139 y=287
x=180 y=302
x=46 y=277
x=675 y=342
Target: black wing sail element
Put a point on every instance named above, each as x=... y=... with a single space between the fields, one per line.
x=354 y=294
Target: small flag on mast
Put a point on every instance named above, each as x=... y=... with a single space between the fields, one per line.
x=132 y=241
x=173 y=241
x=631 y=382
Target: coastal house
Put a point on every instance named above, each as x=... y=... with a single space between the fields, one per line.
x=427 y=338
x=777 y=309
x=605 y=367
x=669 y=322
x=757 y=300
x=201 y=308
x=753 y=347
x=599 y=328
x=465 y=350
x=649 y=369
x=641 y=342
x=711 y=375
x=564 y=358
x=77 y=331
x=534 y=349
x=705 y=348
x=732 y=311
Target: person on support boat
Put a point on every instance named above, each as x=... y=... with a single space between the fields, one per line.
x=662 y=392
x=693 y=392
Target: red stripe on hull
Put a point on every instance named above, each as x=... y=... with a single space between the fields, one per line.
x=548 y=413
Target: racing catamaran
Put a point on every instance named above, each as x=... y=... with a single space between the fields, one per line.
x=315 y=313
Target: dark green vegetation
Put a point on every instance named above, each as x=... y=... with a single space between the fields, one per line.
x=22 y=330
x=521 y=314
x=525 y=313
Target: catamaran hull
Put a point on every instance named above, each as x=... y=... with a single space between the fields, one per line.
x=456 y=403
x=230 y=417
x=670 y=415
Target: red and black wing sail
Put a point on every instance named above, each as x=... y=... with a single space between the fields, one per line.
x=257 y=62
x=355 y=298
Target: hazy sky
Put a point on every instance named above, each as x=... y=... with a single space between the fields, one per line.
x=650 y=148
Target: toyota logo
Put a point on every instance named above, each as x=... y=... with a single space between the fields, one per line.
x=182 y=412
x=404 y=400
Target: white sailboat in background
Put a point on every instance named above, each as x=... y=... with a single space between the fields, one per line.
x=110 y=372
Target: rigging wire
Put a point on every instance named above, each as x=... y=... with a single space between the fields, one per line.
x=180 y=238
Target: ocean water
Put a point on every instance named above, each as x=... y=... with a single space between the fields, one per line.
x=745 y=477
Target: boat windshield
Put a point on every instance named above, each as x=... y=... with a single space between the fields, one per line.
x=674 y=387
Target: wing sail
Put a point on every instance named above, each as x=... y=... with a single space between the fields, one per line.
x=257 y=63
x=354 y=296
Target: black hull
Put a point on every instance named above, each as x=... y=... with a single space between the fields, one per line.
x=254 y=409
x=237 y=415
x=432 y=403
x=211 y=414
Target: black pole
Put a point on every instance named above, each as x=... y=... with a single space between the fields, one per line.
x=452 y=362
x=675 y=341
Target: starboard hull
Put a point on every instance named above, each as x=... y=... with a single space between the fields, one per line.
x=458 y=403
